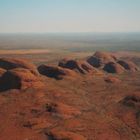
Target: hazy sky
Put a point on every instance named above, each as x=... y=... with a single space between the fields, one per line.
x=69 y=15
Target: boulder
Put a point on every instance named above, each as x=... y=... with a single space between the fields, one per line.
x=11 y=63
x=19 y=78
x=112 y=67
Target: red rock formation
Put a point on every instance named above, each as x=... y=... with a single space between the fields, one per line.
x=79 y=66
x=55 y=72
x=11 y=63
x=128 y=65
x=112 y=67
x=19 y=78
x=99 y=59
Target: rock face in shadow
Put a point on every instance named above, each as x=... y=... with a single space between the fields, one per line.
x=79 y=66
x=112 y=67
x=99 y=59
x=55 y=72
x=128 y=65
x=11 y=63
x=63 y=135
x=18 y=78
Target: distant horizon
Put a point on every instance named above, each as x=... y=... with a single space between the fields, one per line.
x=76 y=41
x=66 y=32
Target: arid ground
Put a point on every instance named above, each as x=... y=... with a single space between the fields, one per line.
x=75 y=101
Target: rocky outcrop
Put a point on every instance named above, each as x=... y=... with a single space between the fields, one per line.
x=112 y=67
x=19 y=78
x=99 y=59
x=128 y=65
x=12 y=63
x=110 y=63
x=79 y=66
x=55 y=72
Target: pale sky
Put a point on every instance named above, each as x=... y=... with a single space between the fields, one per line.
x=69 y=16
